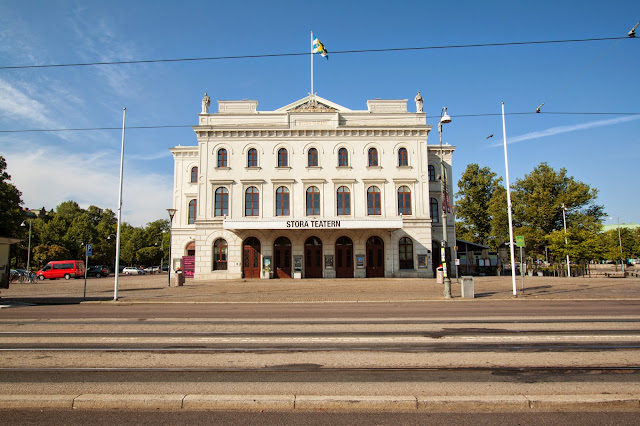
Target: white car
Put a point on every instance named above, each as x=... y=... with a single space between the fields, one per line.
x=131 y=270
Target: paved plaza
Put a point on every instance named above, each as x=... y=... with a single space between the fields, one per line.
x=155 y=289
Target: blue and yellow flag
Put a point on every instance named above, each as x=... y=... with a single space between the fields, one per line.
x=318 y=47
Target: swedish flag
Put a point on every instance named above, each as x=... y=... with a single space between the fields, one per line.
x=318 y=47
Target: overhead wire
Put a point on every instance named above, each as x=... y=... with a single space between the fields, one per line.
x=87 y=129
x=271 y=55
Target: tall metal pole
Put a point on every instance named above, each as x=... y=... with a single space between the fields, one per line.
x=311 y=64
x=511 y=245
x=162 y=251
x=29 y=251
x=117 y=271
x=566 y=244
x=619 y=240
x=443 y=186
x=172 y=213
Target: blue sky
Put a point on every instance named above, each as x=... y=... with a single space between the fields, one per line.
x=52 y=167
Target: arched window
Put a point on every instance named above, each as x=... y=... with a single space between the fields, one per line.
x=251 y=201
x=405 y=248
x=373 y=157
x=403 y=157
x=313 y=201
x=222 y=157
x=343 y=201
x=432 y=173
x=312 y=157
x=373 y=201
x=194 y=174
x=283 y=159
x=192 y=211
x=404 y=200
x=282 y=201
x=433 y=208
x=221 y=207
x=252 y=158
x=220 y=248
x=343 y=157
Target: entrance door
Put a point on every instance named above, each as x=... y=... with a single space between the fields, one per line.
x=313 y=258
x=344 y=258
x=282 y=257
x=375 y=257
x=251 y=258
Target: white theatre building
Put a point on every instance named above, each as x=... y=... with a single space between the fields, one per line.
x=310 y=190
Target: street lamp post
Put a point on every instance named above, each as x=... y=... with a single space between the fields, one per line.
x=29 y=248
x=564 y=219
x=172 y=212
x=444 y=118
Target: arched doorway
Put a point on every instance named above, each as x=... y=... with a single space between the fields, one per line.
x=251 y=258
x=375 y=257
x=190 y=250
x=313 y=258
x=282 y=257
x=344 y=258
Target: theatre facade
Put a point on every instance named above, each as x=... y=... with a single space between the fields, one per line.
x=310 y=190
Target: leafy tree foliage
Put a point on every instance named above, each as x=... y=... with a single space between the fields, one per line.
x=538 y=201
x=63 y=233
x=11 y=214
x=476 y=188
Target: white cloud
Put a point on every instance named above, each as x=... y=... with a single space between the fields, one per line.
x=552 y=131
x=48 y=177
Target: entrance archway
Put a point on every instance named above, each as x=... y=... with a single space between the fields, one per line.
x=282 y=257
x=251 y=258
x=313 y=258
x=375 y=257
x=344 y=258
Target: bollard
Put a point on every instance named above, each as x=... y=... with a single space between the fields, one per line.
x=179 y=279
x=467 y=287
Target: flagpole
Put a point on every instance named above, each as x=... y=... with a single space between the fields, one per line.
x=117 y=265
x=311 y=64
x=511 y=248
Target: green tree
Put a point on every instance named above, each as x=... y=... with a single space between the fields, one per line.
x=499 y=214
x=11 y=214
x=538 y=205
x=476 y=187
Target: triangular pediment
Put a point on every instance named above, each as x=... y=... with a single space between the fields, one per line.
x=312 y=104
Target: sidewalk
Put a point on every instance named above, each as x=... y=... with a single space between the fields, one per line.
x=155 y=289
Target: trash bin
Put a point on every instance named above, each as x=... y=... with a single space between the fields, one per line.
x=440 y=275
x=179 y=278
x=467 y=287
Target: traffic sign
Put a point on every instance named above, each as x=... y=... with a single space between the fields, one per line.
x=519 y=240
x=89 y=248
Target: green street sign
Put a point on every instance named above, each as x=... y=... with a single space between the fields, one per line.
x=519 y=240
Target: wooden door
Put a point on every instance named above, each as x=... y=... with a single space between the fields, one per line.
x=375 y=257
x=282 y=257
x=313 y=258
x=251 y=258
x=344 y=258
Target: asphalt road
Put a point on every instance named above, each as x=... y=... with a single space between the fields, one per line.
x=420 y=349
x=109 y=418
x=437 y=309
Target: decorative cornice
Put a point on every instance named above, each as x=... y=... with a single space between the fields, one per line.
x=312 y=105
x=310 y=133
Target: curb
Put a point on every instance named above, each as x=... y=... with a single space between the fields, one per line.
x=339 y=403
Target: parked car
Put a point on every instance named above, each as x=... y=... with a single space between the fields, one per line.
x=133 y=270
x=62 y=269
x=152 y=269
x=97 y=271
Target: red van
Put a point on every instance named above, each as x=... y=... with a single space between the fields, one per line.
x=62 y=268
